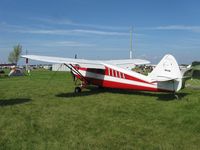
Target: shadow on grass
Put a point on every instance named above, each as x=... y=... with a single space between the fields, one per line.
x=93 y=91
x=14 y=101
x=170 y=96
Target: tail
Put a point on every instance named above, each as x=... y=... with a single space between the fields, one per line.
x=168 y=74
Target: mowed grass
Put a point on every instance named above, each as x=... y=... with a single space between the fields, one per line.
x=41 y=112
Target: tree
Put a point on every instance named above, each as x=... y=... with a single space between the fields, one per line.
x=15 y=54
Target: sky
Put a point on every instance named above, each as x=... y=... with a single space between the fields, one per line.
x=100 y=29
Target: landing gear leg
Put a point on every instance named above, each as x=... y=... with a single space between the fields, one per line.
x=176 y=96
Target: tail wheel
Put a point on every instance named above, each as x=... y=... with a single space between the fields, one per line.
x=77 y=90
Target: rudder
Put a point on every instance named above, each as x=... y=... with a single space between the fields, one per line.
x=167 y=70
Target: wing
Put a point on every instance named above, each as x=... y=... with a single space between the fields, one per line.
x=98 y=64
x=60 y=60
x=127 y=63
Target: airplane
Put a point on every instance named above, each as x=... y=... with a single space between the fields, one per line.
x=165 y=77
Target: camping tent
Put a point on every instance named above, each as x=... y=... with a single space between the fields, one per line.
x=15 y=72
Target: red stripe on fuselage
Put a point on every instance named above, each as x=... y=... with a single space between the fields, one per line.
x=118 y=85
x=128 y=77
x=105 y=72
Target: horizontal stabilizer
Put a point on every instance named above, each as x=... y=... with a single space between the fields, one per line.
x=163 y=79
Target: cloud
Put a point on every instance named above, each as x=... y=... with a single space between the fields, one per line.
x=65 y=21
x=55 y=43
x=98 y=32
x=5 y=25
x=71 y=32
x=66 y=44
x=55 y=21
x=176 y=27
x=55 y=31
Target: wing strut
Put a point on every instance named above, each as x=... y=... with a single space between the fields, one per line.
x=72 y=68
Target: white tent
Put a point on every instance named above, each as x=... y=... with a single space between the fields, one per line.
x=60 y=67
x=15 y=72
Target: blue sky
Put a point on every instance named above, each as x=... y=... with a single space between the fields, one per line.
x=100 y=29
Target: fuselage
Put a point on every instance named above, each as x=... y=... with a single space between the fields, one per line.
x=115 y=77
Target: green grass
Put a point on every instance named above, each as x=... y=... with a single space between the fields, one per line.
x=39 y=113
x=196 y=67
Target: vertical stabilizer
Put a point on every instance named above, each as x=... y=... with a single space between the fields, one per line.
x=167 y=72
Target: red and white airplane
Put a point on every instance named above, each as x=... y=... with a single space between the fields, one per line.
x=166 y=76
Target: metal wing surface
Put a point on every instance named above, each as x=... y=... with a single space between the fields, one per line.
x=127 y=63
x=98 y=64
x=60 y=60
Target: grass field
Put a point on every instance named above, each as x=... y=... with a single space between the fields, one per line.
x=40 y=112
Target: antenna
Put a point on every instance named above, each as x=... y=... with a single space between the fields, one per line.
x=131 y=42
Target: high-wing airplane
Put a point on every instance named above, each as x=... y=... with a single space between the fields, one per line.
x=165 y=77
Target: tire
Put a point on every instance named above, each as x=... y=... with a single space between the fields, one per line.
x=77 y=90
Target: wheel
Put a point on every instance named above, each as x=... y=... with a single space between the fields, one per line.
x=77 y=90
x=176 y=96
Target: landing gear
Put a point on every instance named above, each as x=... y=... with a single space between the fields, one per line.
x=77 y=90
x=80 y=86
x=176 y=96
